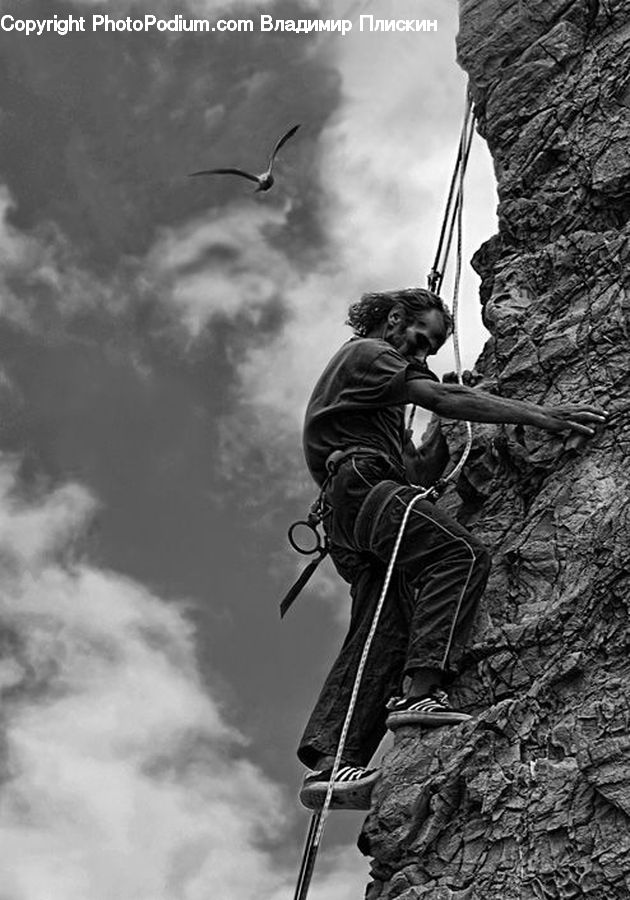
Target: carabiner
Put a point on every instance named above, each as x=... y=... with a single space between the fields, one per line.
x=318 y=546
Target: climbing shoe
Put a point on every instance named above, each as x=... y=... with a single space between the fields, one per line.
x=431 y=710
x=352 y=788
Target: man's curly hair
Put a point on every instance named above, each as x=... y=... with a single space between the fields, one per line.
x=372 y=309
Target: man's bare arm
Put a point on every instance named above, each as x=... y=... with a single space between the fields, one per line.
x=455 y=401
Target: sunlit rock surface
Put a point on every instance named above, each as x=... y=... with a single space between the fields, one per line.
x=532 y=799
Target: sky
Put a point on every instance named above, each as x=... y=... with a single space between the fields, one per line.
x=159 y=337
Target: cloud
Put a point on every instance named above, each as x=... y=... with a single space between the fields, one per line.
x=122 y=777
x=221 y=265
x=42 y=283
x=24 y=258
x=339 y=876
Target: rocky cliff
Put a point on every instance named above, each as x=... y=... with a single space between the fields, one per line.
x=532 y=798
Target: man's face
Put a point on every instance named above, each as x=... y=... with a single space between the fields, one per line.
x=419 y=337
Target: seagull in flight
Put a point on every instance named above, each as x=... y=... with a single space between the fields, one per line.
x=265 y=179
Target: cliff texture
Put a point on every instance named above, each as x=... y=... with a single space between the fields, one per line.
x=532 y=798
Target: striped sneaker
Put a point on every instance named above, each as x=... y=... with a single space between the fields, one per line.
x=432 y=710
x=352 y=788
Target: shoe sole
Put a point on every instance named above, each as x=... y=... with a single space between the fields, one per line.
x=353 y=795
x=430 y=720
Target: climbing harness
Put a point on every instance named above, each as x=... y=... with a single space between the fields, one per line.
x=452 y=219
x=319 y=546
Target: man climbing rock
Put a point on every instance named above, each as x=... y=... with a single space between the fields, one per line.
x=358 y=449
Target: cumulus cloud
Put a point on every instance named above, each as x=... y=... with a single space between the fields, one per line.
x=22 y=254
x=222 y=264
x=122 y=777
x=42 y=282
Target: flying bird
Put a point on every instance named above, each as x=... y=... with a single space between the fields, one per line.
x=265 y=179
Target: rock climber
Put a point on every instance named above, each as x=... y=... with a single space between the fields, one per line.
x=357 y=447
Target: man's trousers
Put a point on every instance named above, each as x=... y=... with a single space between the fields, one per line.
x=440 y=574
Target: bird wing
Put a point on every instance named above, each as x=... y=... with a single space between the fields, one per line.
x=281 y=142
x=226 y=172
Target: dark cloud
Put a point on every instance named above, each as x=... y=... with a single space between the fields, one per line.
x=99 y=130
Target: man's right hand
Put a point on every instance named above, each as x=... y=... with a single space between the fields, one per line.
x=583 y=419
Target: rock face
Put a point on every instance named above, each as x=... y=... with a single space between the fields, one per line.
x=532 y=798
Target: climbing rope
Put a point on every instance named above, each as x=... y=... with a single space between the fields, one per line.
x=465 y=146
x=453 y=201
x=453 y=219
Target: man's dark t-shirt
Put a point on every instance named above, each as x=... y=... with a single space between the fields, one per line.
x=360 y=400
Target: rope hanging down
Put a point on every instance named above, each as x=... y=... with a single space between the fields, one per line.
x=465 y=143
x=453 y=201
x=451 y=219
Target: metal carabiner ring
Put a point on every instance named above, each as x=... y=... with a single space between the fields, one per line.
x=318 y=547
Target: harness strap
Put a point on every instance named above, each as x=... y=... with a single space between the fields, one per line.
x=338 y=457
x=300 y=583
x=333 y=462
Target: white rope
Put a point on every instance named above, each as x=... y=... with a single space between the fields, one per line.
x=453 y=217
x=455 y=311
x=357 y=681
